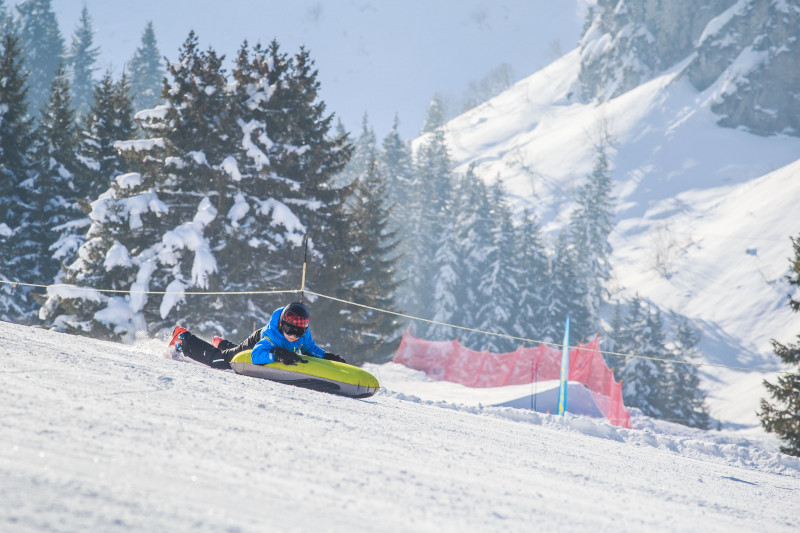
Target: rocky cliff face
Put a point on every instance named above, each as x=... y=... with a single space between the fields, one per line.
x=746 y=53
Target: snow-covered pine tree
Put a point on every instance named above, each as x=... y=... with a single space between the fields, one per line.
x=447 y=277
x=656 y=378
x=498 y=291
x=157 y=228
x=364 y=156
x=314 y=159
x=261 y=226
x=431 y=187
x=19 y=199
x=16 y=131
x=368 y=272
x=781 y=414
x=43 y=48
x=81 y=60
x=369 y=264
x=686 y=400
x=199 y=134
x=436 y=117
x=567 y=294
x=616 y=341
x=396 y=165
x=58 y=178
x=289 y=163
x=589 y=228
x=108 y=120
x=146 y=71
x=645 y=381
x=532 y=267
x=474 y=229
x=461 y=258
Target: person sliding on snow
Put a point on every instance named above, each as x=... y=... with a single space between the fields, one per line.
x=281 y=340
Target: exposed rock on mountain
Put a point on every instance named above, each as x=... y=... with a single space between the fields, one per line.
x=746 y=53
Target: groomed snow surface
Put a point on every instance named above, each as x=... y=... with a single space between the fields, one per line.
x=99 y=436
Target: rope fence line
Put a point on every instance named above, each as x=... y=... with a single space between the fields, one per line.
x=401 y=315
x=132 y=291
x=556 y=344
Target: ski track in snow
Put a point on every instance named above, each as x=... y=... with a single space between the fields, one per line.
x=99 y=436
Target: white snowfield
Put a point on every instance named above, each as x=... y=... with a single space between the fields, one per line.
x=99 y=436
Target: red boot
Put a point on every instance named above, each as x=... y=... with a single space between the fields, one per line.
x=177 y=339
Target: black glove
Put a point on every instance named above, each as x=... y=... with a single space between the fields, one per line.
x=286 y=357
x=333 y=357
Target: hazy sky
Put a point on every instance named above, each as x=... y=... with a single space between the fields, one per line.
x=376 y=56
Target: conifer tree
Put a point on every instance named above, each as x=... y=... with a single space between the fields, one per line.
x=58 y=177
x=19 y=199
x=292 y=162
x=475 y=229
x=431 y=188
x=590 y=226
x=156 y=227
x=396 y=165
x=16 y=131
x=322 y=206
x=435 y=118
x=779 y=414
x=43 y=48
x=661 y=389
x=640 y=377
x=531 y=265
x=645 y=381
x=686 y=400
x=368 y=271
x=197 y=128
x=447 y=278
x=498 y=290
x=146 y=71
x=109 y=119
x=617 y=342
x=364 y=156
x=81 y=61
x=263 y=226
x=567 y=294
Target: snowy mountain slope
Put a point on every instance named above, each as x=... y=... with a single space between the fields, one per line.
x=99 y=436
x=704 y=212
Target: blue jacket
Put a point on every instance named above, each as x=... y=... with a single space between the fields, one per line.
x=271 y=338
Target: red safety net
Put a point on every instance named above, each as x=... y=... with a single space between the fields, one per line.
x=449 y=361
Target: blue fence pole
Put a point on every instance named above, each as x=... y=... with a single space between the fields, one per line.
x=562 y=391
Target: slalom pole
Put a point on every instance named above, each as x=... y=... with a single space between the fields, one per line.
x=305 y=260
x=562 y=390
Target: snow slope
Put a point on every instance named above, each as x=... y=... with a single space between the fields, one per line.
x=704 y=213
x=99 y=436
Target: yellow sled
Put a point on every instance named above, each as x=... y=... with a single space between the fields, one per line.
x=317 y=374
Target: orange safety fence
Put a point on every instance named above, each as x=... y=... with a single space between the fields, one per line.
x=449 y=361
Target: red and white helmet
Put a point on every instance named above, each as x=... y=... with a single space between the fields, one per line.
x=294 y=319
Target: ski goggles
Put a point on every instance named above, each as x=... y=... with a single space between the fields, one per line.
x=291 y=329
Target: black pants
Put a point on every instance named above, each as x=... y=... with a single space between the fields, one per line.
x=206 y=353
